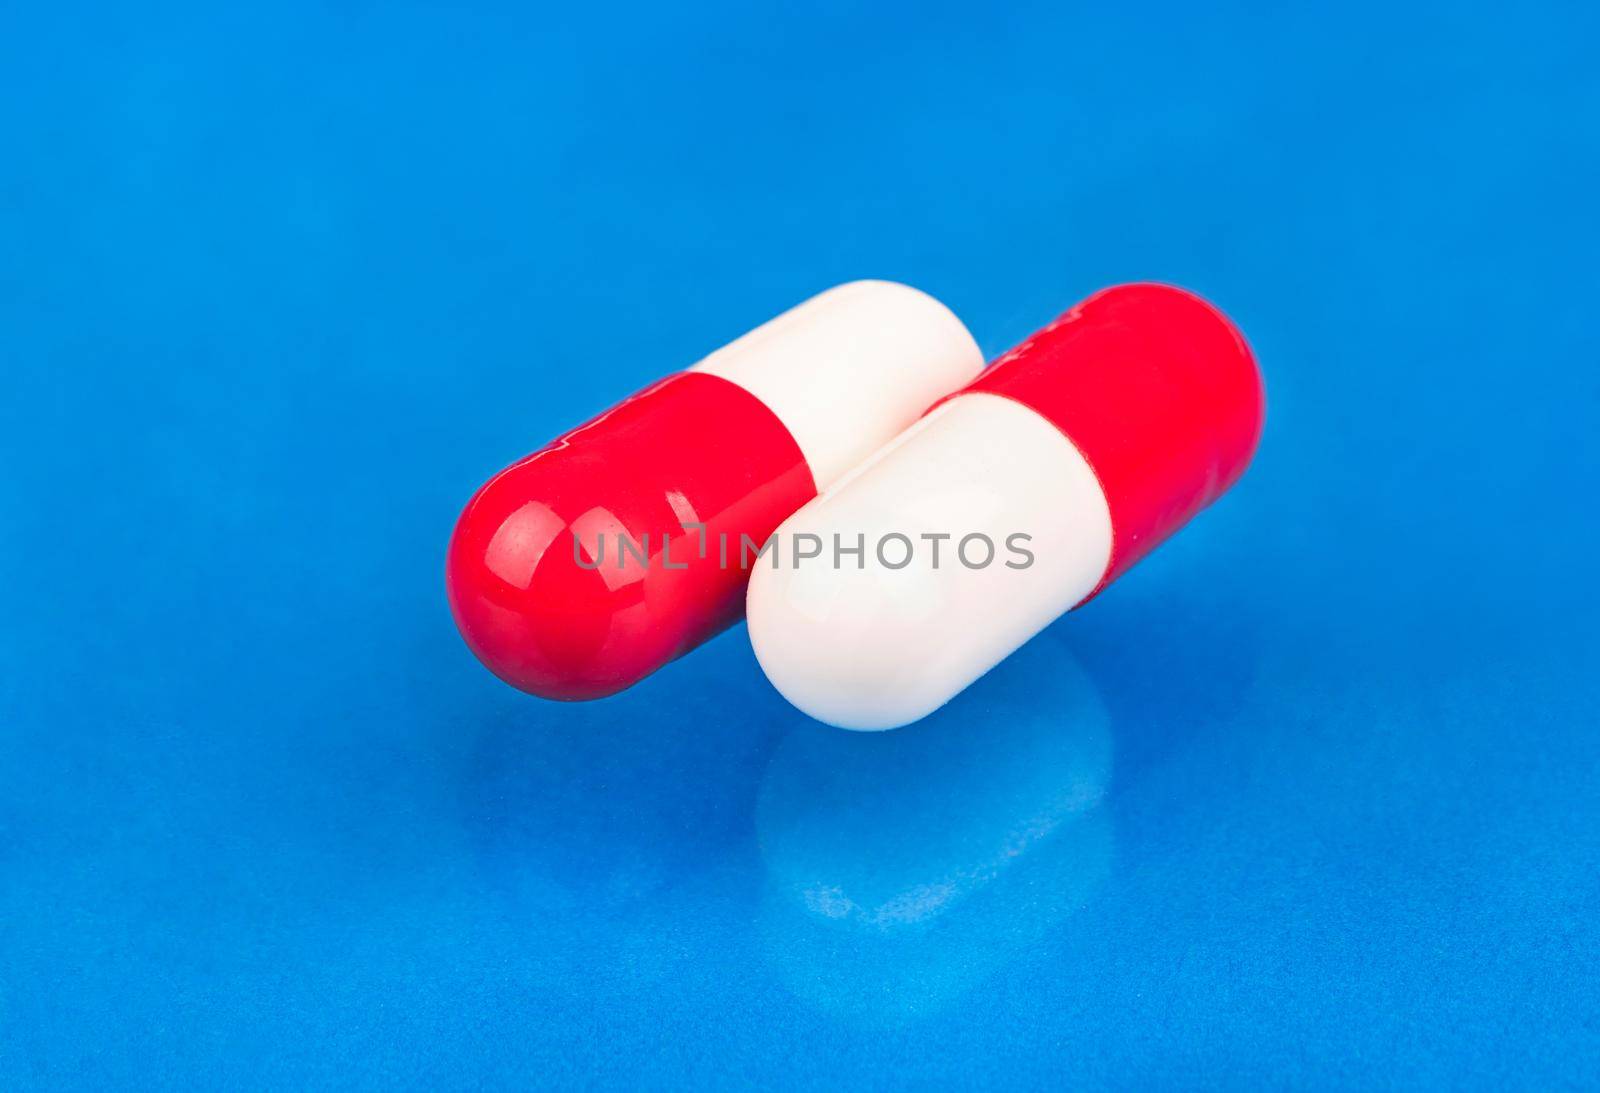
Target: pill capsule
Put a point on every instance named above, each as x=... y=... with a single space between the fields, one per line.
x=580 y=569
x=1011 y=502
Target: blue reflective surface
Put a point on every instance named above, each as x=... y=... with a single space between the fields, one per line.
x=1308 y=798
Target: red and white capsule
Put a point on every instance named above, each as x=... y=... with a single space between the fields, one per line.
x=1072 y=456
x=584 y=567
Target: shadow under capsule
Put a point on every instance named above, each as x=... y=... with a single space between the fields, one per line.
x=609 y=829
x=904 y=868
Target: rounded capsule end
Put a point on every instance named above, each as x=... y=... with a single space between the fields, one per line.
x=526 y=607
x=581 y=569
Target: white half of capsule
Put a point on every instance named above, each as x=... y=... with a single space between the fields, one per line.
x=849 y=368
x=866 y=642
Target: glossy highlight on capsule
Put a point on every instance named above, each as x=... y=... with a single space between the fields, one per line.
x=582 y=568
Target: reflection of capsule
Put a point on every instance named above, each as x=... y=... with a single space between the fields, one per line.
x=1088 y=444
x=584 y=567
x=903 y=868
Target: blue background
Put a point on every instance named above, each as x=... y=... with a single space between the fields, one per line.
x=1311 y=797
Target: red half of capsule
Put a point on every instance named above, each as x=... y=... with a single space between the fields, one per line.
x=1160 y=393
x=579 y=570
